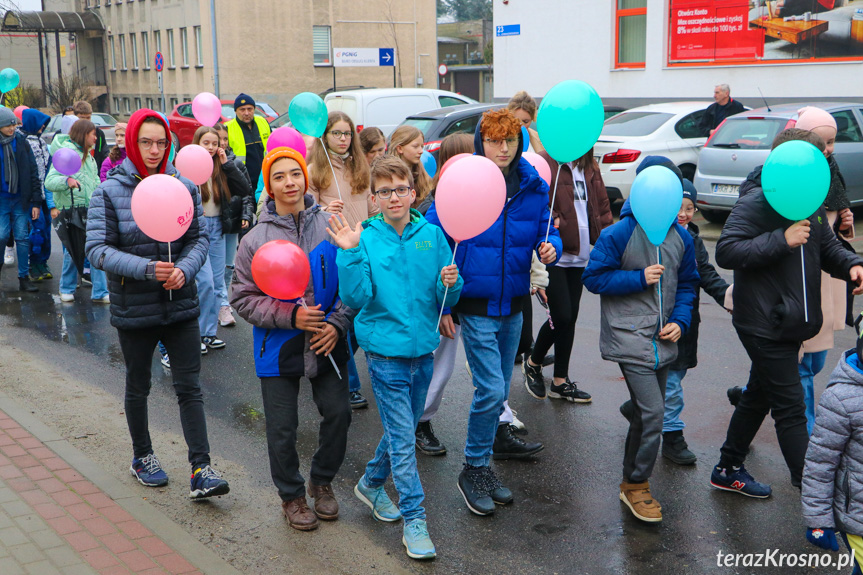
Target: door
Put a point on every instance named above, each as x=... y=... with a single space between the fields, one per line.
x=849 y=150
x=467 y=84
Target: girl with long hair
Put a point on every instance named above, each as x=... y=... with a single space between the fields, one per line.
x=407 y=143
x=523 y=107
x=117 y=153
x=373 y=142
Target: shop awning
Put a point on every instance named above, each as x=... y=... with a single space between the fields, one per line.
x=18 y=21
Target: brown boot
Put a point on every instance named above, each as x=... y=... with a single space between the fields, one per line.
x=639 y=500
x=299 y=515
x=326 y=506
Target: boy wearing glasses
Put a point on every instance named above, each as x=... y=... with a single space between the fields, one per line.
x=397 y=327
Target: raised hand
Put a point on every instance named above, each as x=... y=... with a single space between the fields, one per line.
x=342 y=234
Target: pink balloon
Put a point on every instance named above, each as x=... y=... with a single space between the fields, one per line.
x=287 y=137
x=452 y=161
x=194 y=162
x=470 y=197
x=540 y=164
x=207 y=109
x=19 y=111
x=162 y=207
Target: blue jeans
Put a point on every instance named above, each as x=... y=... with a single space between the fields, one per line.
x=490 y=344
x=400 y=387
x=69 y=278
x=15 y=222
x=211 y=279
x=230 y=253
x=353 y=374
x=673 y=401
x=811 y=366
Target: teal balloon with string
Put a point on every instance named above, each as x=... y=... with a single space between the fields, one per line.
x=308 y=114
x=795 y=179
x=9 y=80
x=570 y=120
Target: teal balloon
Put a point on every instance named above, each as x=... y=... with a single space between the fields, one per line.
x=8 y=79
x=570 y=120
x=172 y=154
x=655 y=199
x=308 y=114
x=795 y=179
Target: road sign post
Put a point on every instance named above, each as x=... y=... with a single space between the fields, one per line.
x=160 y=65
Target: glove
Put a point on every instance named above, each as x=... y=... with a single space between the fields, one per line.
x=824 y=538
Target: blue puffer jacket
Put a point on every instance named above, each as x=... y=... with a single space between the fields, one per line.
x=495 y=265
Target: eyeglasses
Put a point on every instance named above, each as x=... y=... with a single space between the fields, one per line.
x=689 y=211
x=146 y=144
x=387 y=193
x=339 y=135
x=498 y=143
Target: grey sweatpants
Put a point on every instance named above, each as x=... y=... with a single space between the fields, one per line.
x=647 y=390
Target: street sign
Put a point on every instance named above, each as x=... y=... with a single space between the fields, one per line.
x=508 y=30
x=160 y=62
x=159 y=79
x=442 y=70
x=363 y=57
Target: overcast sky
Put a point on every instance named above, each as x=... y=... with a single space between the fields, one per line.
x=29 y=4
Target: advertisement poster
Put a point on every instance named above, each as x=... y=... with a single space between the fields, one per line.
x=759 y=30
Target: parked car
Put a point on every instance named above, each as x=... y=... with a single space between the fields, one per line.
x=438 y=124
x=742 y=142
x=669 y=130
x=387 y=108
x=183 y=123
x=611 y=111
x=104 y=122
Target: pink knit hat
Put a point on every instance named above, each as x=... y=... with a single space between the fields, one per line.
x=811 y=117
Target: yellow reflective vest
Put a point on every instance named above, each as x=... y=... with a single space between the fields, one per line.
x=237 y=141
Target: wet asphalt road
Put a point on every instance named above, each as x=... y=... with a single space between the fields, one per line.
x=566 y=517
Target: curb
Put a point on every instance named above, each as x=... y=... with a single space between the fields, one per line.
x=182 y=542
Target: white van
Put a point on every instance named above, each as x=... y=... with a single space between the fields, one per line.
x=386 y=108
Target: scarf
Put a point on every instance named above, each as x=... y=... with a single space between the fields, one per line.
x=10 y=168
x=837 y=197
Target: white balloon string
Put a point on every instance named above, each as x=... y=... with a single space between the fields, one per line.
x=170 y=292
x=551 y=207
x=445 y=291
x=335 y=178
x=805 y=298
x=659 y=288
x=330 y=357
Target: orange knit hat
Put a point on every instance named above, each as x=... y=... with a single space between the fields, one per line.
x=278 y=153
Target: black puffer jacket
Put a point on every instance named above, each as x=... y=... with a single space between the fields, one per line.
x=242 y=203
x=768 y=290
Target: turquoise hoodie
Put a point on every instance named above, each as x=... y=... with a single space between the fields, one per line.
x=395 y=284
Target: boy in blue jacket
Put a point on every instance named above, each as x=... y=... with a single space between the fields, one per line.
x=396 y=272
x=624 y=270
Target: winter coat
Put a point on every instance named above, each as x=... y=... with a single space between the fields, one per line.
x=714 y=286
x=87 y=176
x=832 y=491
x=116 y=245
x=716 y=114
x=598 y=207
x=29 y=185
x=370 y=276
x=629 y=330
x=358 y=207
x=495 y=265
x=241 y=204
x=232 y=157
x=768 y=290
x=110 y=164
x=33 y=121
x=282 y=350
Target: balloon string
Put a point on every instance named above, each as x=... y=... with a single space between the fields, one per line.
x=805 y=299
x=332 y=361
x=551 y=207
x=335 y=178
x=445 y=291
x=661 y=316
x=170 y=292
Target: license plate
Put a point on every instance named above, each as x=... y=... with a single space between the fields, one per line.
x=726 y=189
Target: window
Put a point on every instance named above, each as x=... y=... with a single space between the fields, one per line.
x=138 y=103
x=322 y=46
x=116 y=105
x=171 y=62
x=145 y=43
x=123 y=50
x=446 y=101
x=185 y=110
x=134 y=39
x=150 y=104
x=688 y=126
x=631 y=28
x=635 y=124
x=174 y=102
x=184 y=46
x=747 y=133
x=157 y=40
x=464 y=126
x=113 y=54
x=199 y=47
x=127 y=105
x=848 y=128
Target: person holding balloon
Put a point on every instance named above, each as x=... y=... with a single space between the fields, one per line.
x=406 y=143
x=146 y=231
x=34 y=123
x=286 y=284
x=777 y=240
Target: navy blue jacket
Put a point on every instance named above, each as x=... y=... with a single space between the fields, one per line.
x=29 y=187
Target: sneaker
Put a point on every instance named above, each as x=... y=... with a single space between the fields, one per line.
x=674 y=447
x=104 y=299
x=517 y=424
x=533 y=380
x=738 y=480
x=641 y=503
x=734 y=394
x=357 y=400
x=36 y=273
x=568 y=391
x=206 y=482
x=67 y=297
x=226 y=319
x=416 y=540
x=378 y=501
x=204 y=349
x=508 y=446
x=46 y=272
x=426 y=441
x=86 y=279
x=166 y=361
x=24 y=284
x=213 y=342
x=149 y=472
x=627 y=410
x=9 y=256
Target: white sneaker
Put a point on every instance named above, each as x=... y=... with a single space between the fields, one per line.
x=67 y=297
x=516 y=422
x=106 y=299
x=226 y=319
x=9 y=256
x=204 y=349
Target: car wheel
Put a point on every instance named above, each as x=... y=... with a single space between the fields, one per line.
x=176 y=141
x=688 y=171
x=714 y=216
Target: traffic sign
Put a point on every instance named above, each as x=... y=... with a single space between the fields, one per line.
x=387 y=57
x=442 y=70
x=360 y=57
x=508 y=30
x=159 y=80
x=160 y=62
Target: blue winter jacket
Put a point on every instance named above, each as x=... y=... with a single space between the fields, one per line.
x=394 y=282
x=495 y=265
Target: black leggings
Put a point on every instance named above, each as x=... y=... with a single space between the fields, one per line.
x=526 y=340
x=564 y=296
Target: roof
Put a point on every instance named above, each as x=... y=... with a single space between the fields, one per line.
x=790 y=110
x=19 y=21
x=391 y=92
x=673 y=107
x=466 y=109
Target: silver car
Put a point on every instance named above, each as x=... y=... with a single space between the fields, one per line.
x=104 y=122
x=742 y=143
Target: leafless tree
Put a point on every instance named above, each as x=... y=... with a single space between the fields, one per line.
x=65 y=91
x=389 y=30
x=24 y=95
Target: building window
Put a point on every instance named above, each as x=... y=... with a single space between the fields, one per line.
x=137 y=103
x=171 y=62
x=126 y=104
x=145 y=43
x=184 y=46
x=116 y=105
x=150 y=104
x=199 y=47
x=322 y=46
x=631 y=45
x=123 y=50
x=157 y=40
x=113 y=53
x=134 y=39
x=159 y=100
x=98 y=3
x=174 y=102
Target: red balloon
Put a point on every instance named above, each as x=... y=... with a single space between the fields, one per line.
x=281 y=269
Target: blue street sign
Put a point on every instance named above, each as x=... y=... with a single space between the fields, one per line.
x=508 y=30
x=387 y=57
x=160 y=62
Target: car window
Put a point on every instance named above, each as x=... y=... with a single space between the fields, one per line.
x=185 y=110
x=280 y=121
x=463 y=125
x=747 y=133
x=103 y=120
x=635 y=123
x=847 y=126
x=424 y=125
x=267 y=109
x=346 y=105
x=391 y=111
x=687 y=127
x=228 y=111
x=54 y=124
x=446 y=101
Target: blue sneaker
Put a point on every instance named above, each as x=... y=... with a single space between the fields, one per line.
x=149 y=472
x=738 y=480
x=416 y=540
x=206 y=482
x=377 y=499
